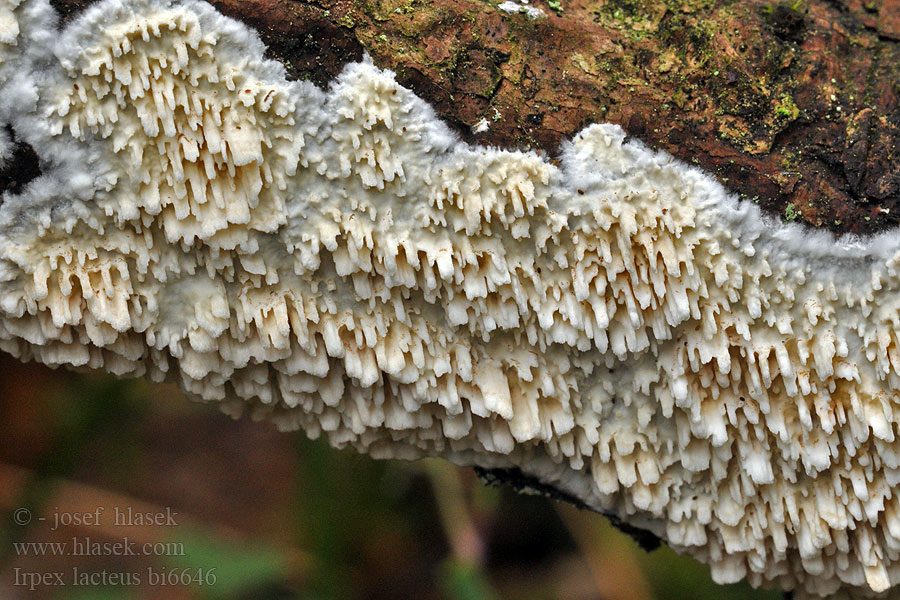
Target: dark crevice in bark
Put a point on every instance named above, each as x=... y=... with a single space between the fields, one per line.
x=785 y=21
x=69 y=9
x=21 y=168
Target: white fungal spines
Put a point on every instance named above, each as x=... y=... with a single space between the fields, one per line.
x=207 y=146
x=617 y=326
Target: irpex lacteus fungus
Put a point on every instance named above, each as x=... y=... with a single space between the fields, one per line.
x=617 y=327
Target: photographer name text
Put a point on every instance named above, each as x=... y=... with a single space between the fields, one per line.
x=118 y=517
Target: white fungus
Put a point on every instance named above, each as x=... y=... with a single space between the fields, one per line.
x=617 y=326
x=511 y=7
x=481 y=126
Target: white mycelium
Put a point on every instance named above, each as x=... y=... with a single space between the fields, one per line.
x=618 y=327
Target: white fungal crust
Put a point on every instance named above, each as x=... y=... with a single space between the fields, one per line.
x=9 y=28
x=26 y=33
x=206 y=144
x=617 y=326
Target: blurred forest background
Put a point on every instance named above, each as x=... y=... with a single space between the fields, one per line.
x=268 y=516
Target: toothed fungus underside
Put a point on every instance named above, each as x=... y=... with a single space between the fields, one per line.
x=617 y=326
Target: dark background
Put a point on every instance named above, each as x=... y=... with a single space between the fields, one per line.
x=266 y=515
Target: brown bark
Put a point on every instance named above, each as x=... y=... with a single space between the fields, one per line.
x=795 y=104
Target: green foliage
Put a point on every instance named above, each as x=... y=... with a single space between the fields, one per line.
x=227 y=570
x=461 y=581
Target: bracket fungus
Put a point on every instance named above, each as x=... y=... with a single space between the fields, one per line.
x=617 y=327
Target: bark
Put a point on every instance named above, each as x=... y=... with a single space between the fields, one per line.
x=794 y=105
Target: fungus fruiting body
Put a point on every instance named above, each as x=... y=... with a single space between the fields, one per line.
x=618 y=326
